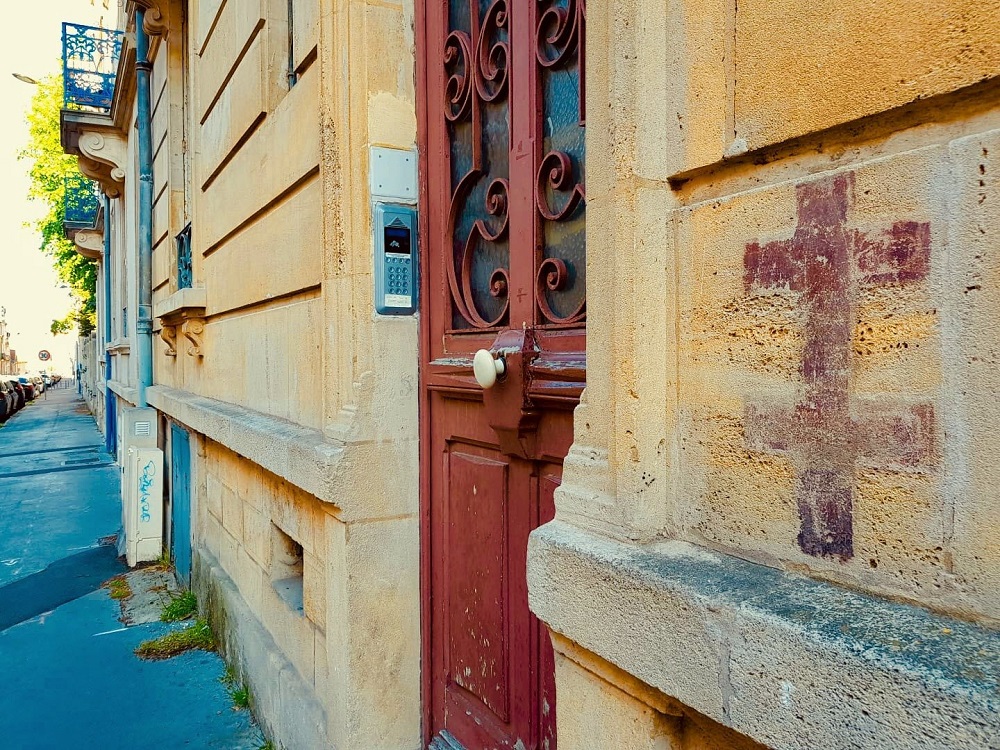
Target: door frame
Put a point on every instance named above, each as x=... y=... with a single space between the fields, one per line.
x=423 y=349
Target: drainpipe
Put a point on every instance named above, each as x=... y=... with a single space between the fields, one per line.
x=144 y=317
x=110 y=424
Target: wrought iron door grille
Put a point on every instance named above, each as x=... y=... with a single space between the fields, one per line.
x=185 y=274
x=90 y=64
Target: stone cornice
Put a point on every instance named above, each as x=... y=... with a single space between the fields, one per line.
x=121 y=103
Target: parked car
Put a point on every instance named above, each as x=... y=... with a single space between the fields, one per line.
x=29 y=388
x=20 y=392
x=39 y=385
x=8 y=401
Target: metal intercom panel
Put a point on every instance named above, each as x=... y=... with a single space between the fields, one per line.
x=396 y=259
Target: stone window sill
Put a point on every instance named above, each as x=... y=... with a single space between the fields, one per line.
x=773 y=655
x=183 y=312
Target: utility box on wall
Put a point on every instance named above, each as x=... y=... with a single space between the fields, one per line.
x=142 y=486
x=142 y=493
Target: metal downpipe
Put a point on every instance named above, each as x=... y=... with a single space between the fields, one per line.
x=110 y=422
x=144 y=315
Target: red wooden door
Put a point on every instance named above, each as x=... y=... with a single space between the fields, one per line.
x=504 y=269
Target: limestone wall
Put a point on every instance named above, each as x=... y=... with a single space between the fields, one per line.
x=237 y=156
x=270 y=539
x=303 y=401
x=790 y=208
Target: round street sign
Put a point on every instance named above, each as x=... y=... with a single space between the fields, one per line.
x=44 y=355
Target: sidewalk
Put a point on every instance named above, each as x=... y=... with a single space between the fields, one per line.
x=69 y=675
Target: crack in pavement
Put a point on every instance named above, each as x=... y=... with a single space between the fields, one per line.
x=54 y=470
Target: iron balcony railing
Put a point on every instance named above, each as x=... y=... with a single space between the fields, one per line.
x=90 y=63
x=80 y=201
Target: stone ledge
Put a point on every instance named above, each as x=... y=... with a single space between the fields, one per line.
x=301 y=455
x=791 y=662
x=119 y=346
x=334 y=471
x=123 y=391
x=176 y=304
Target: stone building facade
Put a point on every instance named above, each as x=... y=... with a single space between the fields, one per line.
x=775 y=525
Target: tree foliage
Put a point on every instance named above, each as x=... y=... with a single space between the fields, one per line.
x=49 y=169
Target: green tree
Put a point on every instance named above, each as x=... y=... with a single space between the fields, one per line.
x=49 y=169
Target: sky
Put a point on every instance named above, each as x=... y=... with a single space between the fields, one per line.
x=31 y=44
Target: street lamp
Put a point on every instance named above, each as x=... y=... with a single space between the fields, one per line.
x=25 y=79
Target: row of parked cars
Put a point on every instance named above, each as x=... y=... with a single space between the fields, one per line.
x=16 y=392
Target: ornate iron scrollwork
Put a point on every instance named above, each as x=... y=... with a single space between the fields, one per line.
x=81 y=200
x=473 y=82
x=477 y=60
x=556 y=173
x=90 y=64
x=185 y=271
x=559 y=190
x=560 y=32
x=492 y=54
x=458 y=89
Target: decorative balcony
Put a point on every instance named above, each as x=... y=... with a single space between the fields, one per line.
x=90 y=63
x=83 y=219
x=81 y=199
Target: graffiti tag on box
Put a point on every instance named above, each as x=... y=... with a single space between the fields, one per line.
x=145 y=483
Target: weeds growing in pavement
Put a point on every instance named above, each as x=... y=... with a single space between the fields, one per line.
x=183 y=606
x=119 y=588
x=240 y=695
x=238 y=691
x=197 y=635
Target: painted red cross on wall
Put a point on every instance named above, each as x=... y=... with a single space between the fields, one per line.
x=825 y=433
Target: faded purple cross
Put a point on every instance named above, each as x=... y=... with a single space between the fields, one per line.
x=827 y=263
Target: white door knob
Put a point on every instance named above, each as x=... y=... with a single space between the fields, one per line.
x=487 y=369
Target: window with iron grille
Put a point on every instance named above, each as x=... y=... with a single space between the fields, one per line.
x=185 y=275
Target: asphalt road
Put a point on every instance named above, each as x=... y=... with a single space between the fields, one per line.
x=70 y=678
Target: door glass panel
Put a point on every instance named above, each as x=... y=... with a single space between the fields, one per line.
x=477 y=52
x=562 y=268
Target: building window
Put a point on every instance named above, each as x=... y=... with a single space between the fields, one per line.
x=185 y=275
